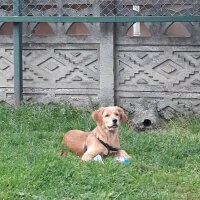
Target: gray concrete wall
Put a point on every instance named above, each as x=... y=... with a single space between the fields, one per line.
x=161 y=69
x=107 y=67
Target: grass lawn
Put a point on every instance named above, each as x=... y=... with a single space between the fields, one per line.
x=165 y=164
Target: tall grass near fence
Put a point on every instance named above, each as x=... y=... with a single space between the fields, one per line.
x=165 y=164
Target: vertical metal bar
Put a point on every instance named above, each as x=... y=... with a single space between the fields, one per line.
x=17 y=36
x=18 y=63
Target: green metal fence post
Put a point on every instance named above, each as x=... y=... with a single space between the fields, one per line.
x=17 y=34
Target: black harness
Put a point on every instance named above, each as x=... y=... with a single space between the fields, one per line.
x=108 y=147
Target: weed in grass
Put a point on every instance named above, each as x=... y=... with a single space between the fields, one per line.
x=164 y=165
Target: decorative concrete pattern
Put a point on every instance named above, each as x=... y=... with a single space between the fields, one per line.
x=54 y=74
x=168 y=75
x=6 y=68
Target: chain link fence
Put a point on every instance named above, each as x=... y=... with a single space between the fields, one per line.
x=6 y=8
x=95 y=8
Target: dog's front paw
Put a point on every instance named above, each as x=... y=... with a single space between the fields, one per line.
x=125 y=155
x=87 y=157
x=122 y=153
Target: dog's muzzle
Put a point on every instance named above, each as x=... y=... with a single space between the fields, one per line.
x=114 y=124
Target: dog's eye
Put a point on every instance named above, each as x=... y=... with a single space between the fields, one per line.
x=116 y=114
x=107 y=115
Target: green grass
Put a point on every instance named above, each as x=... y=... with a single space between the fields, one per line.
x=164 y=165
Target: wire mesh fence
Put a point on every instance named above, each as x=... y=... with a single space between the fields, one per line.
x=6 y=8
x=95 y=8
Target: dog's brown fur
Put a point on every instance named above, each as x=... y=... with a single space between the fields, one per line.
x=107 y=120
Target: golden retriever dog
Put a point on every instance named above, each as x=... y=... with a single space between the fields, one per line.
x=103 y=140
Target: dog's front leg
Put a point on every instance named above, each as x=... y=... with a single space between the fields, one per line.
x=88 y=156
x=94 y=147
x=92 y=152
x=121 y=153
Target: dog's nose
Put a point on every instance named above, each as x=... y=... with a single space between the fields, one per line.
x=114 y=121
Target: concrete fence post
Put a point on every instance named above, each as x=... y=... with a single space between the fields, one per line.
x=107 y=64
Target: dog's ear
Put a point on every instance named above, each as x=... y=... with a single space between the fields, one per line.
x=97 y=116
x=123 y=116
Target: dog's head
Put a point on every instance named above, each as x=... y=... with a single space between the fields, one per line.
x=109 y=117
